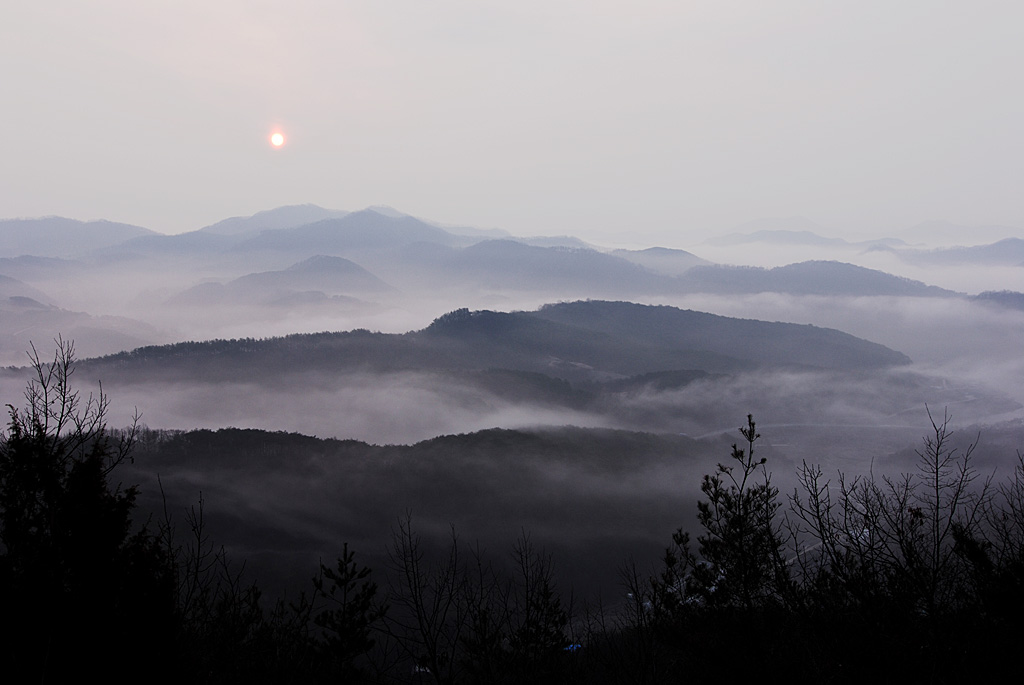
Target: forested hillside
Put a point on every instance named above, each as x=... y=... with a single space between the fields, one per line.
x=486 y=557
x=608 y=339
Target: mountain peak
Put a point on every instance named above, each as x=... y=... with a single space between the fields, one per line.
x=385 y=210
x=288 y=216
x=325 y=263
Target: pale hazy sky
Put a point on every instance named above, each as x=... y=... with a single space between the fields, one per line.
x=647 y=122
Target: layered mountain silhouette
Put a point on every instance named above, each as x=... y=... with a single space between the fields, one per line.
x=354 y=231
x=323 y=275
x=291 y=216
x=1008 y=299
x=663 y=260
x=56 y=236
x=323 y=268
x=806 y=278
x=13 y=288
x=1006 y=252
x=29 y=321
x=512 y=265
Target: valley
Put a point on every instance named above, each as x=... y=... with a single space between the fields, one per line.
x=317 y=374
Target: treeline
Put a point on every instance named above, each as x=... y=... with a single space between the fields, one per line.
x=917 y=578
x=86 y=591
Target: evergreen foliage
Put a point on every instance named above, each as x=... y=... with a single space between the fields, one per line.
x=350 y=614
x=76 y=575
x=741 y=560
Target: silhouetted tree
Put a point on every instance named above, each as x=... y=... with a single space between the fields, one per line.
x=428 y=614
x=484 y=642
x=721 y=600
x=349 y=617
x=537 y=636
x=741 y=550
x=887 y=563
x=893 y=541
x=83 y=589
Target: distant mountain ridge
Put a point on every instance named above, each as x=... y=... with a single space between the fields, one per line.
x=356 y=230
x=663 y=260
x=59 y=236
x=778 y=237
x=382 y=268
x=1002 y=298
x=1006 y=252
x=318 y=274
x=806 y=278
x=798 y=238
x=12 y=287
x=513 y=264
x=56 y=236
x=289 y=216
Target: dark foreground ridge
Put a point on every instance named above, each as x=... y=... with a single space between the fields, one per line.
x=920 y=578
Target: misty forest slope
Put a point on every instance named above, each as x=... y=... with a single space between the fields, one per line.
x=591 y=497
x=594 y=497
x=581 y=340
x=594 y=363
x=760 y=342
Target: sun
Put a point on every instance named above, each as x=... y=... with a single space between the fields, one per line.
x=277 y=139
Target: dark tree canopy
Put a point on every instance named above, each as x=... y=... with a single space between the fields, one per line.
x=77 y=576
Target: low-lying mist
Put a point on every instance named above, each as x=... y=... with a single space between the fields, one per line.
x=380 y=409
x=955 y=340
x=613 y=486
x=965 y=356
x=404 y=408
